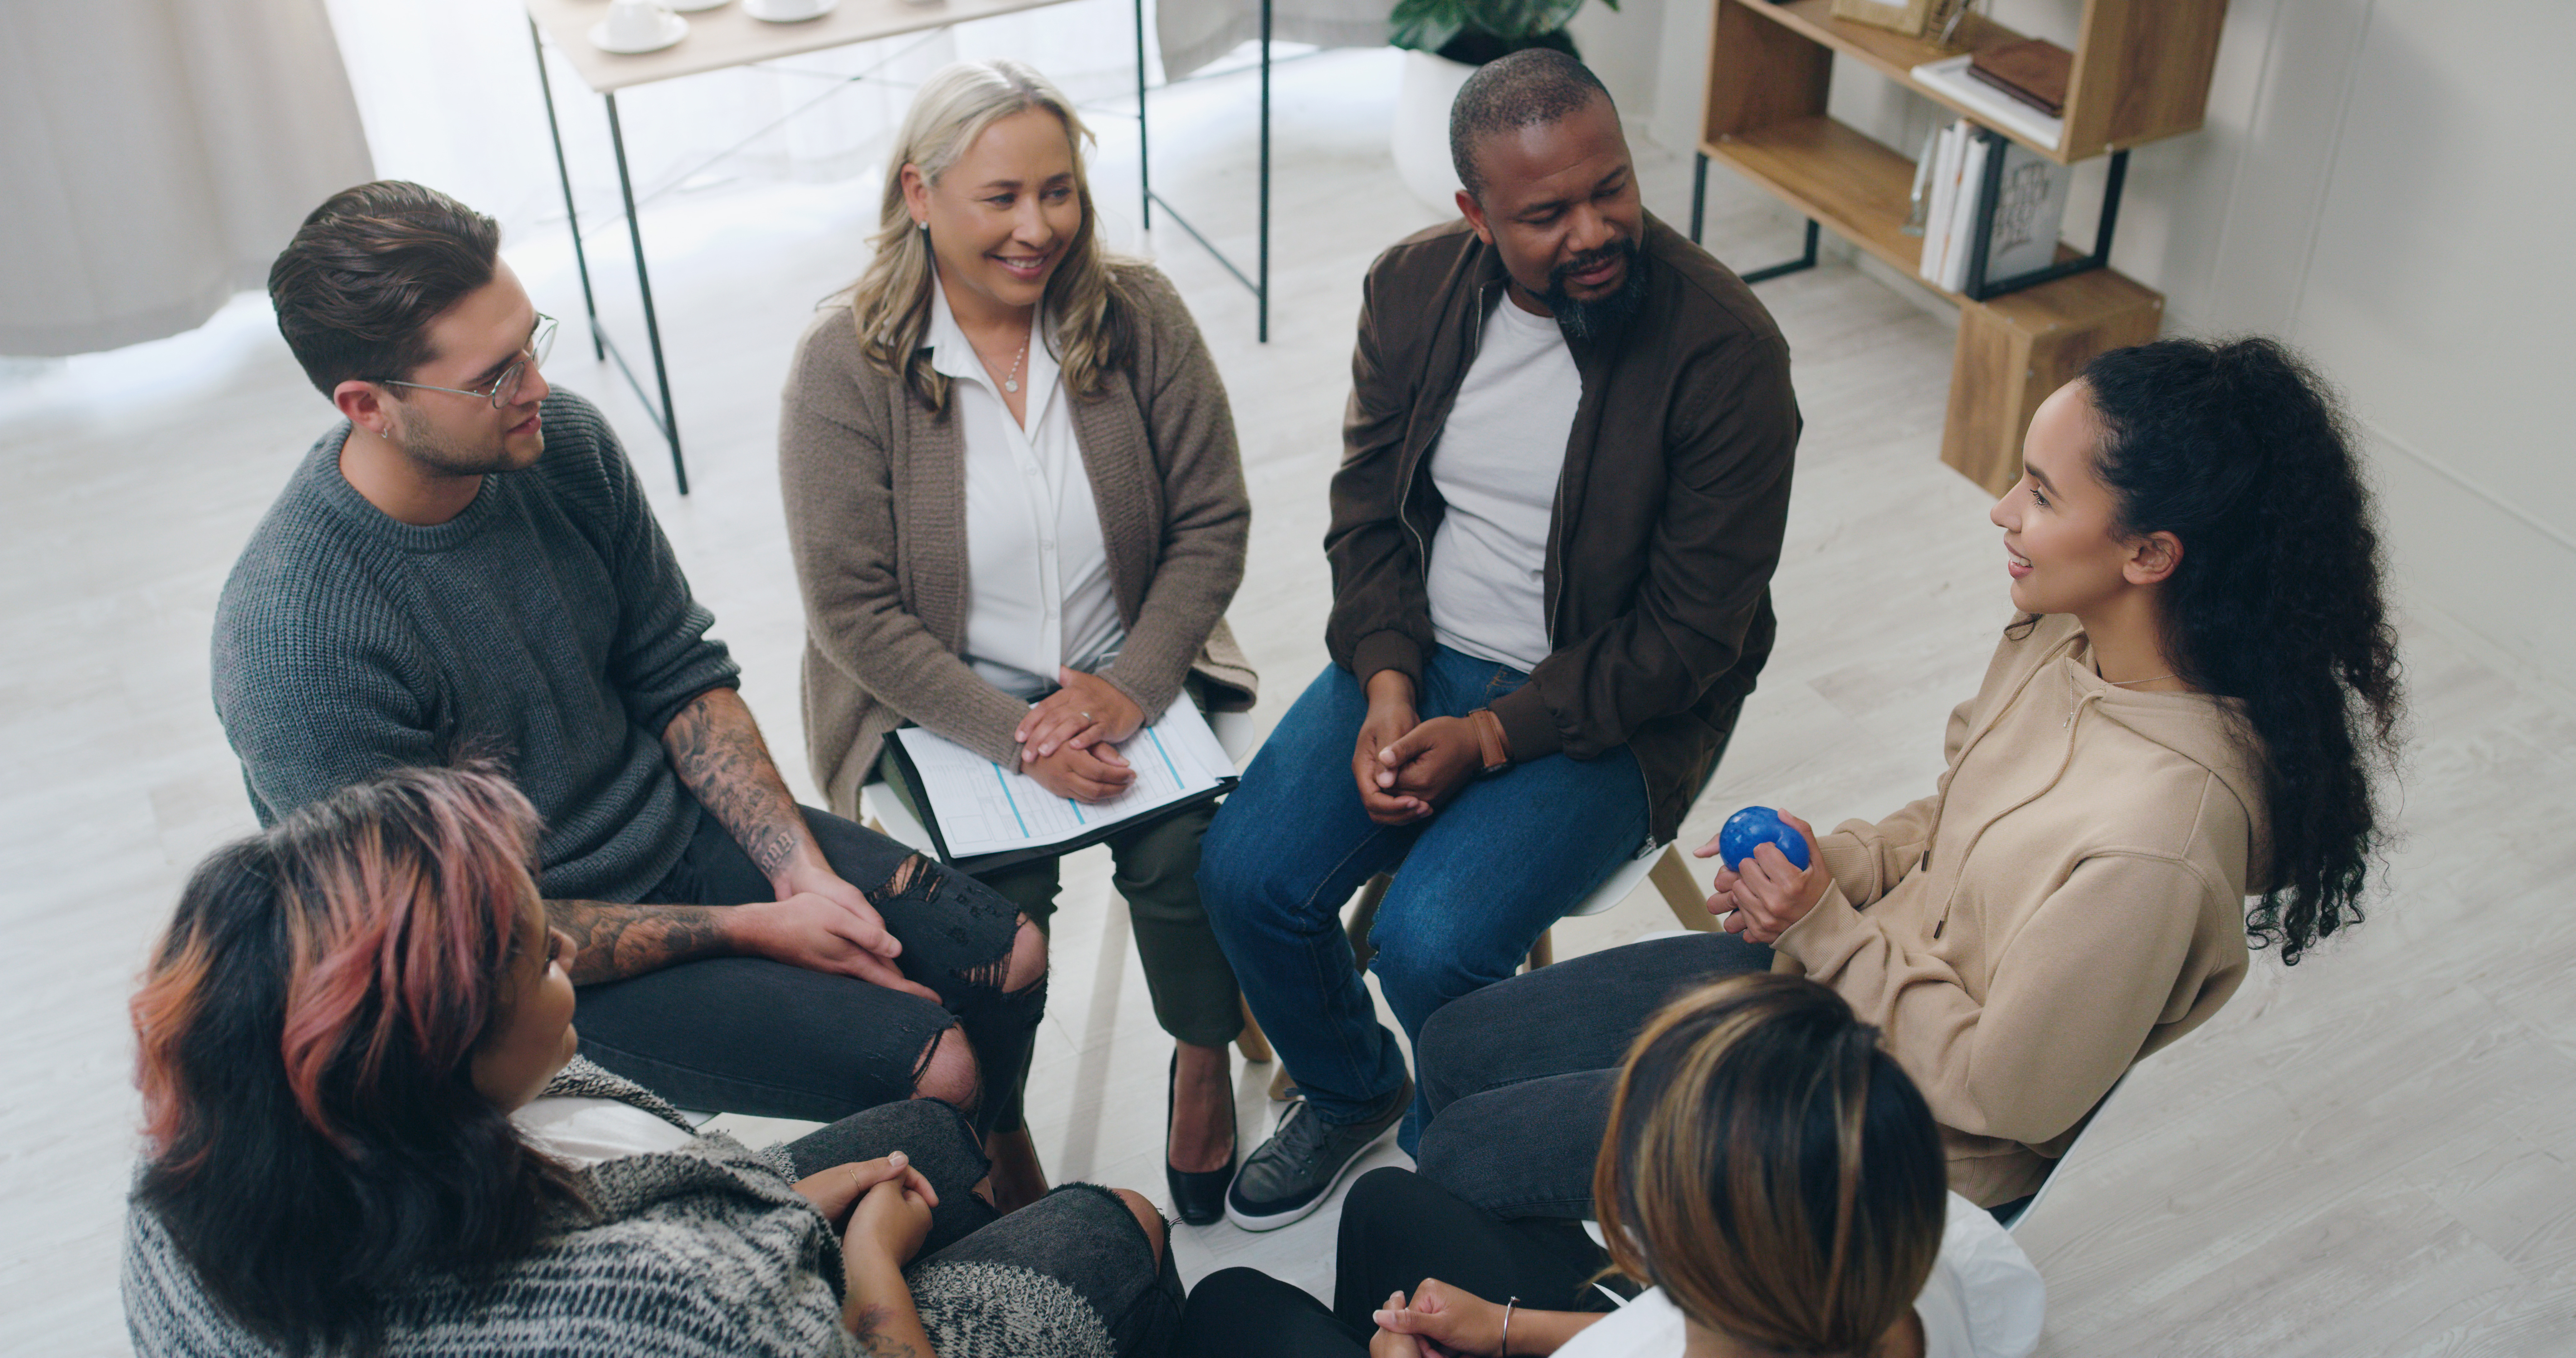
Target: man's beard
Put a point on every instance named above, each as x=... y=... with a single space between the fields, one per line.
x=424 y=443
x=1598 y=317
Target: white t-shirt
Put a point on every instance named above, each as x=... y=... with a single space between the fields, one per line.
x=1037 y=568
x=1497 y=464
x=1983 y=1300
x=582 y=1132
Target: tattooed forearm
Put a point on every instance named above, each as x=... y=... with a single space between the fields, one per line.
x=716 y=748
x=871 y=1326
x=613 y=942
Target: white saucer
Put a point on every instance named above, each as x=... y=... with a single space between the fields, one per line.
x=693 y=6
x=760 y=11
x=674 y=29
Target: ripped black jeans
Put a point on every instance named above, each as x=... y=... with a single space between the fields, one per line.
x=748 y=1035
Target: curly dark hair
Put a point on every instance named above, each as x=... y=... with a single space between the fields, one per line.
x=2238 y=448
x=368 y=271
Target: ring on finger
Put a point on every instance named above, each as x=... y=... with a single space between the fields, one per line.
x=1086 y=719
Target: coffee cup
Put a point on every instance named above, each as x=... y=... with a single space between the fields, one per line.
x=784 y=11
x=635 y=23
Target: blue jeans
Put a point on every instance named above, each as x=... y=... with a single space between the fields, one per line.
x=1481 y=879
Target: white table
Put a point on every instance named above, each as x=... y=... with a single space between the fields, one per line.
x=727 y=37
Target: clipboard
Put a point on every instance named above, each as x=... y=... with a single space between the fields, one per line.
x=968 y=802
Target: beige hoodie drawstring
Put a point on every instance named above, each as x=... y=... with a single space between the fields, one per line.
x=2065 y=761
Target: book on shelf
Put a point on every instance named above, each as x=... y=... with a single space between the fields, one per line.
x=2030 y=208
x=2023 y=215
x=1963 y=212
x=2034 y=71
x=1948 y=79
x=1945 y=191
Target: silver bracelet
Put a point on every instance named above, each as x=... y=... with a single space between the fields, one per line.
x=1507 y=1324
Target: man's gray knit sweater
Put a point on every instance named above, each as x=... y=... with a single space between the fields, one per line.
x=547 y=625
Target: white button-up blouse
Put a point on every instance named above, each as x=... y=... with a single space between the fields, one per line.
x=1039 y=593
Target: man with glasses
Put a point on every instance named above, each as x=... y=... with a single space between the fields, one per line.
x=464 y=567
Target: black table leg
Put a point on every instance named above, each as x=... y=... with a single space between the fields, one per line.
x=1261 y=293
x=1699 y=194
x=670 y=420
x=580 y=257
x=1806 y=260
x=1258 y=282
x=1144 y=150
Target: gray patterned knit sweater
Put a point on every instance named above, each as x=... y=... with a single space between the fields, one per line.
x=705 y=1251
x=548 y=624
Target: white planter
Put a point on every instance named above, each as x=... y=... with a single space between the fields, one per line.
x=1420 y=136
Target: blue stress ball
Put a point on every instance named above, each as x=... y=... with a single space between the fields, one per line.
x=1757 y=825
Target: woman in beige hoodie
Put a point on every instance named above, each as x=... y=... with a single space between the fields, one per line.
x=2186 y=713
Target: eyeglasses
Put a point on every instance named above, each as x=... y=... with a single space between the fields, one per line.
x=501 y=388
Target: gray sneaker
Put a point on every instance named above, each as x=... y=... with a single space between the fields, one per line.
x=1295 y=1170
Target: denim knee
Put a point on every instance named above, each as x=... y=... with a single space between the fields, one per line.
x=1419 y=973
x=1236 y=877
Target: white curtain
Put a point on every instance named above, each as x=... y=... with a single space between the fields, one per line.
x=1193 y=33
x=155 y=155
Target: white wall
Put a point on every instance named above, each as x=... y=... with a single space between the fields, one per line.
x=1622 y=47
x=2387 y=184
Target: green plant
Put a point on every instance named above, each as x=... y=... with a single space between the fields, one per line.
x=1480 y=30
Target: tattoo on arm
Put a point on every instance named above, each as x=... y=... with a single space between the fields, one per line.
x=716 y=748
x=613 y=942
x=869 y=1327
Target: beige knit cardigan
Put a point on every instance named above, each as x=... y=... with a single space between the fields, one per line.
x=875 y=490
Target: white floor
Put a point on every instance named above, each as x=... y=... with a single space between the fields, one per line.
x=2369 y=1154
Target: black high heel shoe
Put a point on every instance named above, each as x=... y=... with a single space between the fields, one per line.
x=1198 y=1196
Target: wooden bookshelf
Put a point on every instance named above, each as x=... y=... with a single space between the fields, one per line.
x=2142 y=67
x=2141 y=72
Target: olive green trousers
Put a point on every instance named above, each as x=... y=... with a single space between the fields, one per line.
x=1157 y=873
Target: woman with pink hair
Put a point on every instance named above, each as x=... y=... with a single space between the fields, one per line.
x=367 y=1132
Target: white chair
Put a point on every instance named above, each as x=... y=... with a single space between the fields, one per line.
x=1235 y=731
x=2022 y=1218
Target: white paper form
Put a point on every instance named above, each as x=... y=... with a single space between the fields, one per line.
x=982 y=807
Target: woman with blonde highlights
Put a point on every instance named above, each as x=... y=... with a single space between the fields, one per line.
x=1018 y=516
x=1770 y=1178
x=367 y=1132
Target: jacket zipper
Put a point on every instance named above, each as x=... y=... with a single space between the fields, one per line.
x=1404 y=496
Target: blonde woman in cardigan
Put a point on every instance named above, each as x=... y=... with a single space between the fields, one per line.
x=1018 y=515
x=2172 y=755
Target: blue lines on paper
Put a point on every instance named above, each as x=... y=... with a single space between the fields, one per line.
x=1157 y=738
x=1009 y=800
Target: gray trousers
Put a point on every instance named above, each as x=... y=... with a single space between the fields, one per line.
x=1516 y=1078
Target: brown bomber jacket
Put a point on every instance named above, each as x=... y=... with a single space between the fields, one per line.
x=1668 y=513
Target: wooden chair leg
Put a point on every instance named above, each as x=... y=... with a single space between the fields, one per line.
x=1252 y=1042
x=1682 y=892
x=1281 y=1086
x=1364 y=915
x=1543 y=951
